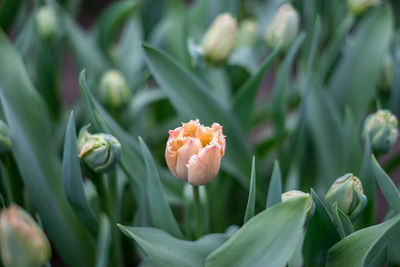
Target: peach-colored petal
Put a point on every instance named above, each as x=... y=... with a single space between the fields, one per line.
x=203 y=167
x=219 y=136
x=190 y=128
x=170 y=153
x=185 y=152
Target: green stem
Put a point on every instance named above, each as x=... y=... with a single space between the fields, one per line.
x=196 y=210
x=101 y=191
x=13 y=181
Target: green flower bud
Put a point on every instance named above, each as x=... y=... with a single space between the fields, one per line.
x=100 y=152
x=358 y=7
x=247 y=35
x=381 y=127
x=22 y=242
x=387 y=75
x=296 y=193
x=5 y=138
x=347 y=193
x=220 y=39
x=283 y=28
x=113 y=90
x=46 y=22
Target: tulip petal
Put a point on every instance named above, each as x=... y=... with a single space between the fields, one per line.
x=204 y=166
x=185 y=152
x=170 y=153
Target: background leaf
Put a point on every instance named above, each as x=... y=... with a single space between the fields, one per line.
x=275 y=186
x=251 y=202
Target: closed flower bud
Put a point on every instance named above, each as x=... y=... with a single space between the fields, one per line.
x=193 y=152
x=381 y=128
x=358 y=7
x=283 y=28
x=22 y=242
x=347 y=193
x=296 y=193
x=5 y=138
x=113 y=90
x=247 y=35
x=46 y=22
x=100 y=152
x=220 y=39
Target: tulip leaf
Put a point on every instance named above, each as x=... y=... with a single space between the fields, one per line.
x=188 y=94
x=243 y=102
x=354 y=82
x=251 y=202
x=343 y=223
x=363 y=247
x=387 y=186
x=270 y=237
x=166 y=250
x=161 y=213
x=73 y=180
x=275 y=186
x=103 y=242
x=321 y=235
x=37 y=159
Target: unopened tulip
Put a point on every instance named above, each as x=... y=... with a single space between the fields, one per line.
x=247 y=35
x=220 y=39
x=296 y=193
x=113 y=90
x=347 y=193
x=100 y=152
x=358 y=7
x=283 y=28
x=5 y=138
x=382 y=129
x=22 y=242
x=193 y=152
x=46 y=22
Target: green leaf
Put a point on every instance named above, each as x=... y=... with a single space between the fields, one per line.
x=103 y=242
x=270 y=237
x=275 y=186
x=320 y=236
x=189 y=220
x=166 y=250
x=8 y=11
x=37 y=159
x=387 y=186
x=188 y=95
x=73 y=180
x=354 y=82
x=343 y=223
x=161 y=213
x=251 y=202
x=363 y=247
x=243 y=102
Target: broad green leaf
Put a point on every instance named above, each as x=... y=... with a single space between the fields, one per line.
x=103 y=242
x=387 y=186
x=363 y=247
x=73 y=180
x=275 y=186
x=166 y=250
x=343 y=223
x=243 y=102
x=321 y=235
x=354 y=82
x=270 y=237
x=161 y=213
x=188 y=95
x=37 y=159
x=251 y=202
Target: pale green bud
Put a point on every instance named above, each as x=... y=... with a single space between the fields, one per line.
x=113 y=89
x=100 y=152
x=247 y=35
x=283 y=28
x=296 y=193
x=358 y=7
x=347 y=193
x=220 y=39
x=5 y=138
x=387 y=75
x=46 y=22
x=382 y=129
x=22 y=242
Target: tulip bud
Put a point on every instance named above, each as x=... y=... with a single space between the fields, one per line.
x=358 y=7
x=5 y=138
x=283 y=28
x=113 y=90
x=247 y=35
x=220 y=39
x=387 y=75
x=46 y=22
x=100 y=152
x=22 y=242
x=193 y=152
x=347 y=193
x=381 y=128
x=296 y=193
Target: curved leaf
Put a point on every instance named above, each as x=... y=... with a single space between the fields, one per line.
x=275 y=186
x=251 y=202
x=103 y=242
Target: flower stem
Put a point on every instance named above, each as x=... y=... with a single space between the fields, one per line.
x=196 y=209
